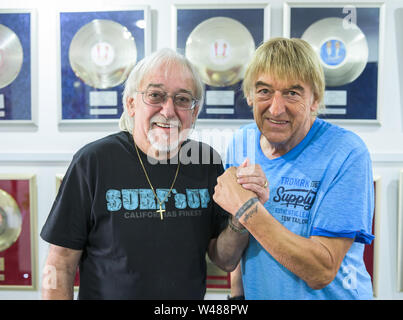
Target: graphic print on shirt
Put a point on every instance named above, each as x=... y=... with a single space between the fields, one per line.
x=141 y=203
x=294 y=198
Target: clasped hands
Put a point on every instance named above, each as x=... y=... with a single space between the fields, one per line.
x=236 y=186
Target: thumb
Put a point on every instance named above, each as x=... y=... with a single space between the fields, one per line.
x=245 y=163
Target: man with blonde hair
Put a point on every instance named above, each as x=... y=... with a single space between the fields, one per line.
x=135 y=217
x=309 y=221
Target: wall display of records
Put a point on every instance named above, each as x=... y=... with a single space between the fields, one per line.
x=347 y=39
x=220 y=42
x=16 y=42
x=97 y=51
x=17 y=232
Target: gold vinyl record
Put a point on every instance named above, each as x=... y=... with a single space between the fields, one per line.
x=220 y=48
x=10 y=220
x=11 y=56
x=342 y=48
x=102 y=53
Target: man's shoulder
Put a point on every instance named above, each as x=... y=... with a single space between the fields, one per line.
x=104 y=145
x=343 y=139
x=202 y=150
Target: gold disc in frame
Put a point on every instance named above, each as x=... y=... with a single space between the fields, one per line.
x=10 y=220
x=220 y=48
x=102 y=53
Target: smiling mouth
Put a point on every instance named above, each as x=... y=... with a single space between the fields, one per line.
x=165 y=125
x=277 y=121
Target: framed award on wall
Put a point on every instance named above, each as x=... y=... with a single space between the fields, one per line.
x=347 y=38
x=17 y=232
x=98 y=49
x=17 y=92
x=220 y=41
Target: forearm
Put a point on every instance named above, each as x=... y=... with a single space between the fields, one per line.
x=305 y=257
x=57 y=283
x=59 y=273
x=227 y=249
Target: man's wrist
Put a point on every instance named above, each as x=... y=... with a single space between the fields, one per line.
x=245 y=207
x=238 y=228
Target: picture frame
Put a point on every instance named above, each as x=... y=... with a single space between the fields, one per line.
x=88 y=97
x=18 y=247
x=19 y=89
x=400 y=236
x=371 y=252
x=223 y=99
x=344 y=100
x=218 y=280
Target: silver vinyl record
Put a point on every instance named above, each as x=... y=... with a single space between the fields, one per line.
x=11 y=56
x=10 y=220
x=342 y=48
x=102 y=53
x=220 y=48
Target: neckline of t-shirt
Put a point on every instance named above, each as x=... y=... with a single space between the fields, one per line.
x=262 y=157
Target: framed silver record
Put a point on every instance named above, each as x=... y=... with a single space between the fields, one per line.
x=220 y=41
x=98 y=49
x=348 y=38
x=18 y=86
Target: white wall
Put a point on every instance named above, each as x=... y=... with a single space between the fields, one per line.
x=46 y=150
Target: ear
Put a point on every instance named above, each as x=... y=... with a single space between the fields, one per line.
x=249 y=101
x=314 y=106
x=130 y=106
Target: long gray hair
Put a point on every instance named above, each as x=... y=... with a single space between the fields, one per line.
x=166 y=57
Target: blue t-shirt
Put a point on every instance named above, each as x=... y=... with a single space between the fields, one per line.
x=322 y=187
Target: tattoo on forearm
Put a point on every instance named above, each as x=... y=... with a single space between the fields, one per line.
x=250 y=214
x=245 y=207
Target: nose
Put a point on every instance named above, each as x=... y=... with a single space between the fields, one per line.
x=168 y=108
x=277 y=106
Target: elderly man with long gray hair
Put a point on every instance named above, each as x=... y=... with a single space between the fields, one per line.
x=136 y=218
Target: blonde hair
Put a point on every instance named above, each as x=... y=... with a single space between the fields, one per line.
x=162 y=58
x=286 y=60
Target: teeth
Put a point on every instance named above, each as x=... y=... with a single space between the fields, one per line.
x=164 y=125
x=278 y=122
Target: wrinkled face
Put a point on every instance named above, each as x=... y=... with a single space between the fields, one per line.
x=165 y=127
x=282 y=110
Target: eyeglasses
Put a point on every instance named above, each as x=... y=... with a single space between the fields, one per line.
x=156 y=98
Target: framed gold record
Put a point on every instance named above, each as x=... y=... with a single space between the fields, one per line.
x=348 y=40
x=220 y=39
x=18 y=247
x=98 y=49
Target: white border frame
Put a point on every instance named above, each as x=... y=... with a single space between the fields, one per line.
x=376 y=219
x=33 y=216
x=147 y=51
x=266 y=35
x=33 y=71
x=400 y=236
x=381 y=5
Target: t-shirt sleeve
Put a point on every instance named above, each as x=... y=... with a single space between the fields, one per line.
x=69 y=220
x=347 y=206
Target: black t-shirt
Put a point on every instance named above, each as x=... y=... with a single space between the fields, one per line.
x=106 y=208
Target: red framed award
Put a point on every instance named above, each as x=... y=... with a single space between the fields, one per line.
x=17 y=232
x=217 y=280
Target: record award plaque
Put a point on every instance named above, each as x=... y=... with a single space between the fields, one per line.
x=15 y=67
x=97 y=51
x=346 y=39
x=217 y=280
x=220 y=42
x=17 y=232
